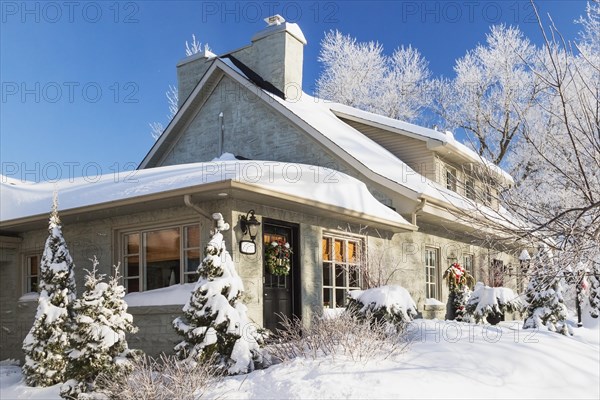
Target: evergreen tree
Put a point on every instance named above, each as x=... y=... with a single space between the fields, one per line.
x=545 y=303
x=459 y=283
x=594 y=290
x=48 y=339
x=214 y=320
x=98 y=340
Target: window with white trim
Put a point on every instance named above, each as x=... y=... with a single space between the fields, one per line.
x=470 y=188
x=160 y=257
x=31 y=273
x=341 y=269
x=468 y=264
x=432 y=273
x=451 y=179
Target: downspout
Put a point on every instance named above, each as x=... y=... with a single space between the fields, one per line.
x=222 y=136
x=187 y=199
x=417 y=210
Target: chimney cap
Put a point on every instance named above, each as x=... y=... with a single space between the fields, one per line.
x=277 y=24
x=274 y=20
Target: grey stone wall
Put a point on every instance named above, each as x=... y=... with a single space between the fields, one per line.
x=400 y=255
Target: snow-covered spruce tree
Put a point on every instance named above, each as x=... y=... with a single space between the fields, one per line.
x=593 y=296
x=46 y=343
x=98 y=342
x=545 y=303
x=215 y=320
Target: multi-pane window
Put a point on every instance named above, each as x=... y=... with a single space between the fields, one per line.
x=470 y=188
x=451 y=179
x=468 y=264
x=497 y=273
x=431 y=273
x=32 y=267
x=159 y=258
x=341 y=269
x=488 y=197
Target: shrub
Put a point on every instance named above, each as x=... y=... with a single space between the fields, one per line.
x=345 y=335
x=164 y=378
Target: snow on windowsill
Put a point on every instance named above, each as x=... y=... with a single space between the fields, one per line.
x=31 y=296
x=172 y=295
x=432 y=304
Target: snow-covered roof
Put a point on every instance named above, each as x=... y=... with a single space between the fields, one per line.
x=315 y=184
x=318 y=114
x=417 y=132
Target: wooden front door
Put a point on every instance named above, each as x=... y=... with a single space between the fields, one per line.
x=281 y=294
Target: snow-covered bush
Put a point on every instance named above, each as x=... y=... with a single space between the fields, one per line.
x=215 y=320
x=345 y=335
x=392 y=304
x=47 y=341
x=165 y=378
x=459 y=283
x=490 y=302
x=98 y=342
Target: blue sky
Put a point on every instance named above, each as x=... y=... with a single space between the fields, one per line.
x=81 y=80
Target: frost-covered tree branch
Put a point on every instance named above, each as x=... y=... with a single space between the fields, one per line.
x=172 y=94
x=360 y=75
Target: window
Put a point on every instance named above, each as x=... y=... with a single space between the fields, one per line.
x=497 y=273
x=32 y=267
x=341 y=269
x=431 y=274
x=468 y=264
x=488 y=197
x=470 y=188
x=159 y=258
x=451 y=179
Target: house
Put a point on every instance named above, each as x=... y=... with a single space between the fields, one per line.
x=361 y=199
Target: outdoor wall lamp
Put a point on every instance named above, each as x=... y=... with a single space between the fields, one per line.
x=249 y=225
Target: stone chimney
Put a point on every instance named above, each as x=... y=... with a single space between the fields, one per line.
x=275 y=55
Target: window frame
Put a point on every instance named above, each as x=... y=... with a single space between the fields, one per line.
x=470 y=192
x=346 y=265
x=497 y=272
x=471 y=270
x=451 y=178
x=142 y=232
x=436 y=274
x=26 y=284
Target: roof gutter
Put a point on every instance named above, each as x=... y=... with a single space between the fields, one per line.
x=187 y=199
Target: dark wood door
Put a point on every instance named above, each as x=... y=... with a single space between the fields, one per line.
x=281 y=293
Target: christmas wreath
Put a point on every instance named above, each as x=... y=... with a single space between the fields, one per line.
x=277 y=258
x=457 y=277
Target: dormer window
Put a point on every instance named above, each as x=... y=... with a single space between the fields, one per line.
x=451 y=179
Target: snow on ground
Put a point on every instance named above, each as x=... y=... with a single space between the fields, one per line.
x=445 y=360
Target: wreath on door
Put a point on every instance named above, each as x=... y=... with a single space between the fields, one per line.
x=277 y=258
